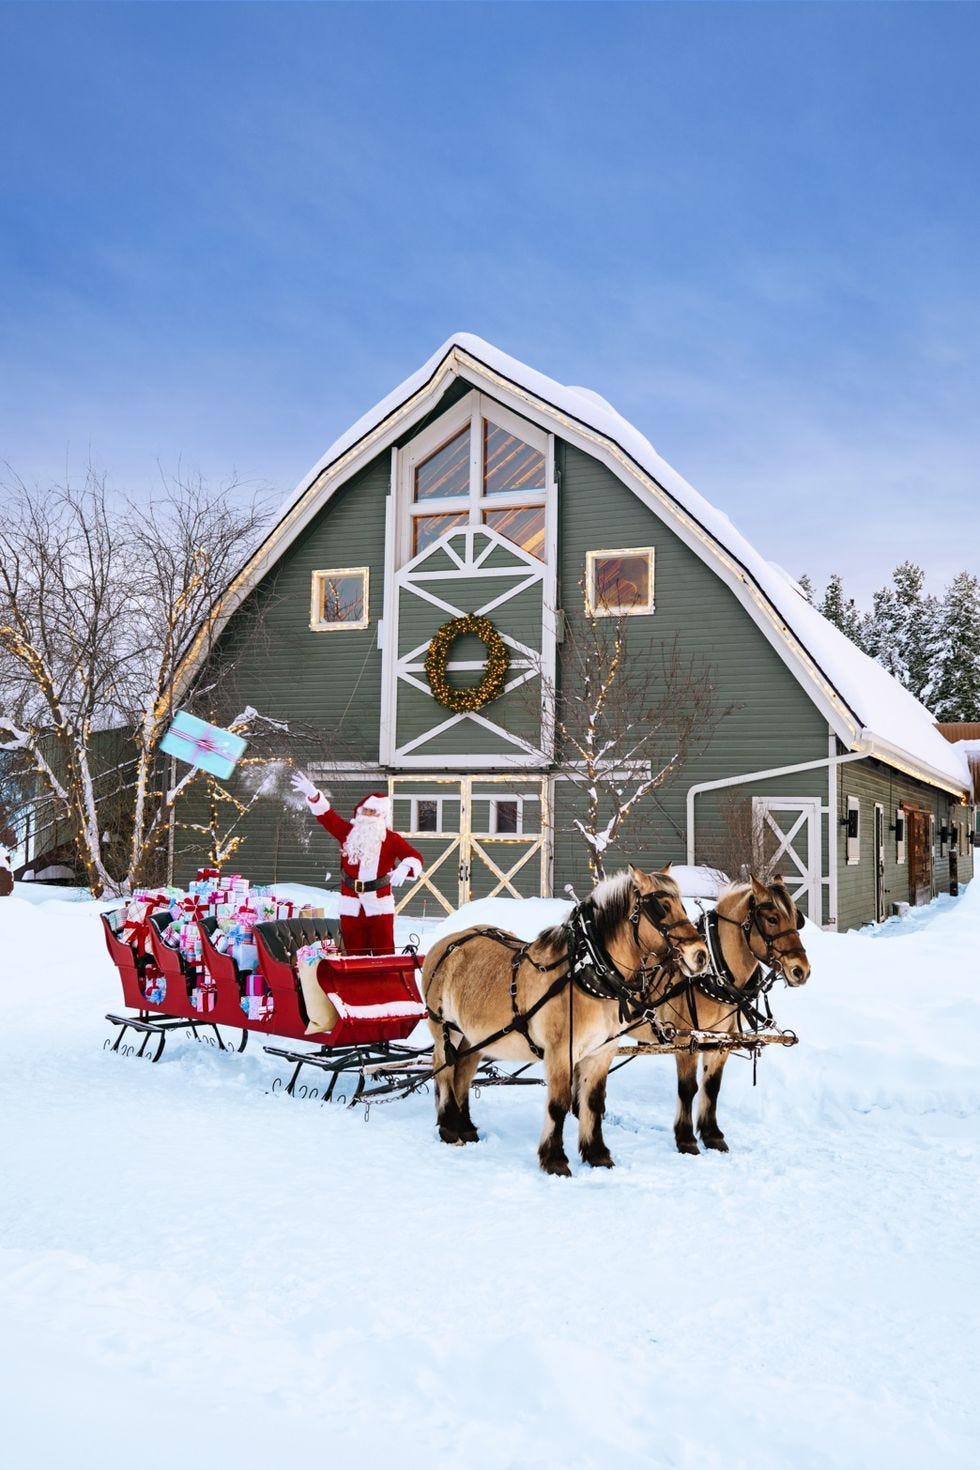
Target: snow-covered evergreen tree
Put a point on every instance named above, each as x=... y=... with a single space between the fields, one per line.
x=840 y=610
x=883 y=632
x=956 y=695
x=808 y=589
x=919 y=630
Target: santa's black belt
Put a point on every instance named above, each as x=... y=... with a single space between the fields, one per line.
x=369 y=885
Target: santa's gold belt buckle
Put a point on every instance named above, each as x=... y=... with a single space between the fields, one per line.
x=359 y=886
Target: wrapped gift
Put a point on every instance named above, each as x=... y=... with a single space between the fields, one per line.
x=309 y=911
x=257 y=1007
x=136 y=921
x=245 y=954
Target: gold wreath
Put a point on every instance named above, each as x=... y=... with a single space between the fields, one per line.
x=495 y=669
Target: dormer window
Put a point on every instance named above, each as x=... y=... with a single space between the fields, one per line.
x=486 y=471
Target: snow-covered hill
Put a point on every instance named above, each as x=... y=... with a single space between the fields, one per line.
x=195 y=1271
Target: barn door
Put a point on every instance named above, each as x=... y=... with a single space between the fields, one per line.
x=920 y=855
x=429 y=812
x=480 y=836
x=508 y=849
x=787 y=841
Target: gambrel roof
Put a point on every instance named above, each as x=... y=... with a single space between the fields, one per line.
x=868 y=709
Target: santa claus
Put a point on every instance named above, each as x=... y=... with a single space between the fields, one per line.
x=373 y=861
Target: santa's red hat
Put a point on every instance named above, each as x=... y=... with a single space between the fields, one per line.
x=376 y=803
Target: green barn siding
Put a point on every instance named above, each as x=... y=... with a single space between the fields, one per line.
x=774 y=723
x=313 y=679
x=871 y=781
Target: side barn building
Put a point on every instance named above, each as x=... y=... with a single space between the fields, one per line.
x=480 y=486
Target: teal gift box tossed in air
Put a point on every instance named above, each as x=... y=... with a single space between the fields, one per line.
x=206 y=746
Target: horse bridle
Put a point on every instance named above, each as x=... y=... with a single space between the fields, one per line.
x=651 y=907
x=773 y=957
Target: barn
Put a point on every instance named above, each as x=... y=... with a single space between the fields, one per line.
x=480 y=489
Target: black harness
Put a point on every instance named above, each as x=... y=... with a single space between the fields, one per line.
x=719 y=984
x=588 y=965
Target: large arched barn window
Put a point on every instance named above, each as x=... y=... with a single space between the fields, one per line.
x=479 y=465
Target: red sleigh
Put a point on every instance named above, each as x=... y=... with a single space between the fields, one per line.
x=375 y=997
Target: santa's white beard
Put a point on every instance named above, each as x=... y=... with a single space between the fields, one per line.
x=363 y=843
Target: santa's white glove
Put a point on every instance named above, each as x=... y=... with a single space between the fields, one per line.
x=407 y=868
x=305 y=785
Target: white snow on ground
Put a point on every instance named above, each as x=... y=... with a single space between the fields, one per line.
x=196 y=1272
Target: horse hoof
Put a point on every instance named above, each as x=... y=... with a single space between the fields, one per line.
x=601 y=1161
x=448 y=1137
x=716 y=1142
x=687 y=1146
x=557 y=1166
x=469 y=1135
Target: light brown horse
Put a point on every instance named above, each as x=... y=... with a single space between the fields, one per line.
x=563 y=998
x=756 y=926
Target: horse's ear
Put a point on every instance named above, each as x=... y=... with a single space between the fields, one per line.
x=778 y=881
x=642 y=881
x=759 y=892
x=665 y=869
x=800 y=919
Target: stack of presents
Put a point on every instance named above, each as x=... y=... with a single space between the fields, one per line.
x=236 y=906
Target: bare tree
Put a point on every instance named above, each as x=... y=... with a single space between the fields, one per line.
x=731 y=847
x=626 y=718
x=100 y=599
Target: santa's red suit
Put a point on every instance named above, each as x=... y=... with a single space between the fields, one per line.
x=369 y=851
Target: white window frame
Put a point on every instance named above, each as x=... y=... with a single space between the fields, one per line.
x=415 y=829
x=901 y=815
x=853 y=843
x=471 y=410
x=319 y=624
x=603 y=610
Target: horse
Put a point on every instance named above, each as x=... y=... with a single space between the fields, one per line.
x=752 y=926
x=564 y=998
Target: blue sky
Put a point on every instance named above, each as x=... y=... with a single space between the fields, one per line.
x=226 y=230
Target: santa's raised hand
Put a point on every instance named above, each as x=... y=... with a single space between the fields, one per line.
x=303 y=784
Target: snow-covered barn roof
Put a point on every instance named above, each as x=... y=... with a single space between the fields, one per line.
x=866 y=706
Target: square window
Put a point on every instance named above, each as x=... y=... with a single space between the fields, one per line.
x=339 y=599
x=619 y=582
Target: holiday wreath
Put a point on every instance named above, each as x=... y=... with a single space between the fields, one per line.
x=460 y=701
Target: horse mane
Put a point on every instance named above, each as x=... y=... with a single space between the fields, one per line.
x=611 y=899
